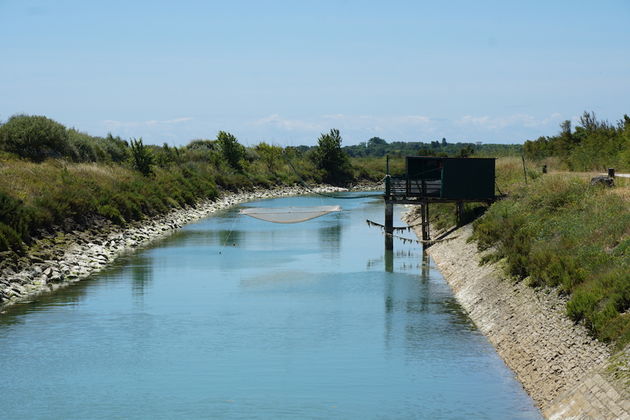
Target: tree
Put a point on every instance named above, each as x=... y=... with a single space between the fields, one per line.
x=142 y=157
x=467 y=151
x=34 y=137
x=270 y=155
x=232 y=151
x=329 y=157
x=376 y=141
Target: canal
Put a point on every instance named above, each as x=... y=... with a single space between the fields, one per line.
x=236 y=318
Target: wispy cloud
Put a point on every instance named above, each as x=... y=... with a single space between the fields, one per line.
x=288 y=124
x=496 y=123
x=148 y=123
x=342 y=121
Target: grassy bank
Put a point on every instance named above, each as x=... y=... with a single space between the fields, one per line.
x=53 y=178
x=559 y=231
x=556 y=230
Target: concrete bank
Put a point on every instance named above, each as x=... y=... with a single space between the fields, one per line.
x=67 y=257
x=567 y=373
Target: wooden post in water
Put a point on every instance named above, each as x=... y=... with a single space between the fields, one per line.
x=389 y=225
x=424 y=211
x=389 y=211
x=389 y=261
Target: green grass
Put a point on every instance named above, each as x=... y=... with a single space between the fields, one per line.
x=509 y=176
x=40 y=196
x=36 y=197
x=560 y=232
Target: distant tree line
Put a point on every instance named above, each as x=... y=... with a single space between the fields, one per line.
x=593 y=144
x=378 y=147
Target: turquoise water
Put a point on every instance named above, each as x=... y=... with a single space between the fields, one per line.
x=237 y=318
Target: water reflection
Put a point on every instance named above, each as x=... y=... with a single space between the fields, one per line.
x=389 y=261
x=311 y=320
x=330 y=238
x=141 y=275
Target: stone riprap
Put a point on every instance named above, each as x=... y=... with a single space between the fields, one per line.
x=568 y=374
x=64 y=258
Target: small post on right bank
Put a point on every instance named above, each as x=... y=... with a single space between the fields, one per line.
x=459 y=213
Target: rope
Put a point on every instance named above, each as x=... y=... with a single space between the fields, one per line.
x=228 y=235
x=405 y=240
x=407 y=228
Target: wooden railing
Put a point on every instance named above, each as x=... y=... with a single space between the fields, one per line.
x=405 y=187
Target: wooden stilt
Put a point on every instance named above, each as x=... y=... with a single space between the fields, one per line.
x=459 y=213
x=424 y=209
x=389 y=226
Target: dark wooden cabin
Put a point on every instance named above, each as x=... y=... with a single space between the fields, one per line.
x=430 y=179
x=445 y=179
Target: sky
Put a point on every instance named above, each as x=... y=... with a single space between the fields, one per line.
x=284 y=72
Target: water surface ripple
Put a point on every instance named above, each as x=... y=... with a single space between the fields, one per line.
x=237 y=318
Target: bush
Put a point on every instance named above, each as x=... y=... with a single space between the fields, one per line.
x=10 y=240
x=559 y=232
x=142 y=159
x=14 y=215
x=329 y=157
x=34 y=137
x=232 y=151
x=111 y=213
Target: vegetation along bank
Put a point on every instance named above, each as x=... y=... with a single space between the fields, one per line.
x=545 y=272
x=71 y=202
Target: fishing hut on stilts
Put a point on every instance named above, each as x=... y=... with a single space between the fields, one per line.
x=430 y=179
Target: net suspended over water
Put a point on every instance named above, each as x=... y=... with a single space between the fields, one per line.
x=288 y=214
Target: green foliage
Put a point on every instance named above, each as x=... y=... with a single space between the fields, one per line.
x=115 y=147
x=560 y=232
x=594 y=145
x=15 y=215
x=38 y=138
x=270 y=155
x=10 y=240
x=112 y=213
x=166 y=156
x=330 y=158
x=34 y=137
x=78 y=191
x=142 y=159
x=233 y=152
x=378 y=147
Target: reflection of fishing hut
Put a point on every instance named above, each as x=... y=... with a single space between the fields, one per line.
x=429 y=179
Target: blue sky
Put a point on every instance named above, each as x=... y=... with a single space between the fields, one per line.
x=285 y=71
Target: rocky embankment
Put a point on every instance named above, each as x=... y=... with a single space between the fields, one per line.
x=64 y=258
x=567 y=373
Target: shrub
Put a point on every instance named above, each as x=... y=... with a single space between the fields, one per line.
x=232 y=151
x=13 y=214
x=111 y=213
x=559 y=232
x=142 y=159
x=10 y=240
x=34 y=137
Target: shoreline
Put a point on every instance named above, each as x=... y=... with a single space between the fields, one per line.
x=568 y=374
x=64 y=258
